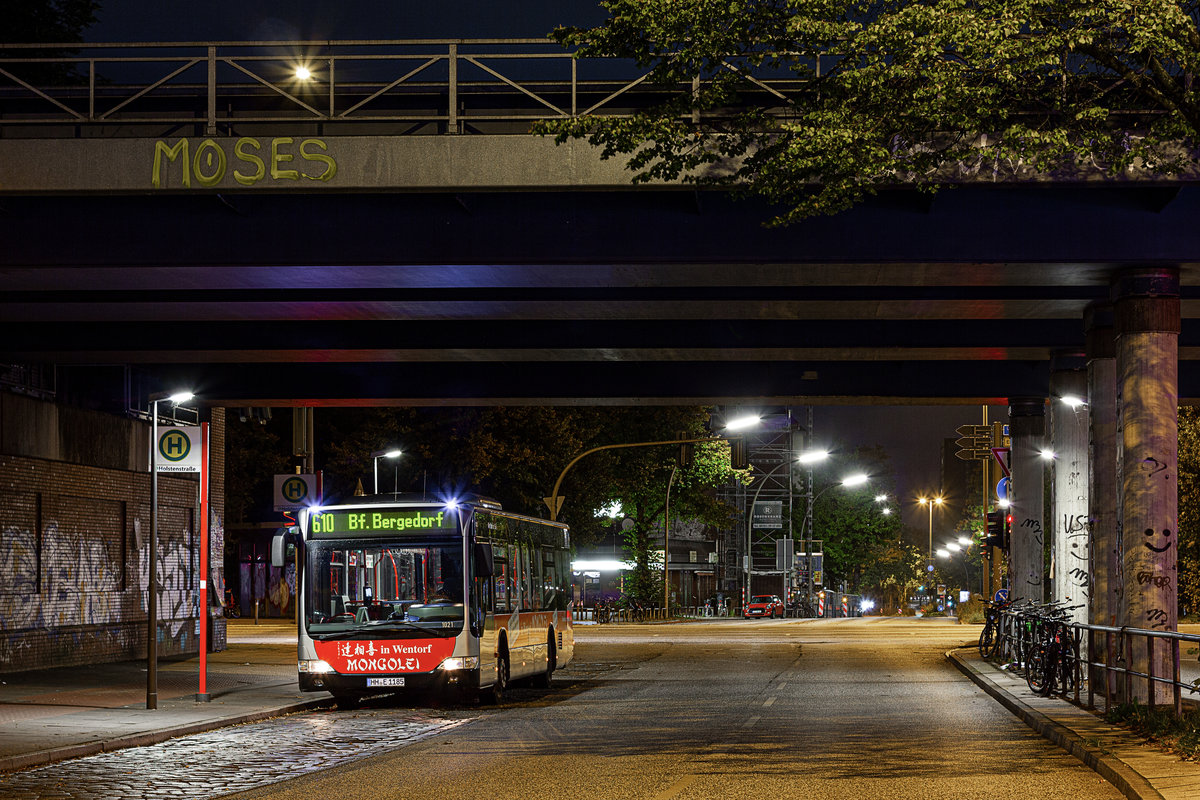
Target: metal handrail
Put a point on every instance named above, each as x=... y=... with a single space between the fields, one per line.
x=1109 y=662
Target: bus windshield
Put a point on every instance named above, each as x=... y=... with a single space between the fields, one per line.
x=385 y=589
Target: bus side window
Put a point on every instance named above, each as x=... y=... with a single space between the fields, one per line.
x=501 y=581
x=549 y=581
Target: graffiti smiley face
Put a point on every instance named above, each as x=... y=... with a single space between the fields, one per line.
x=1158 y=545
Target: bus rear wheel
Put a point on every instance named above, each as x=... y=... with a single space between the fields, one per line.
x=543 y=680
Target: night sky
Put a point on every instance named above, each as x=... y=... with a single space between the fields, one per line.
x=257 y=20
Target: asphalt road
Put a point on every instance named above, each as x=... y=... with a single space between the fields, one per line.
x=732 y=709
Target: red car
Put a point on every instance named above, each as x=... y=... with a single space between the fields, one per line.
x=763 y=605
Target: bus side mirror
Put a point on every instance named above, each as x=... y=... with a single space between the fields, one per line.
x=278 y=550
x=485 y=565
x=283 y=547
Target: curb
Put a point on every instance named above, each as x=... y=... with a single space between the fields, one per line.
x=1126 y=780
x=44 y=757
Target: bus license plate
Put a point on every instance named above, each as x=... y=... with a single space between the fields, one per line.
x=372 y=682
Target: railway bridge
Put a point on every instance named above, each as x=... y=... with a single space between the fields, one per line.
x=386 y=231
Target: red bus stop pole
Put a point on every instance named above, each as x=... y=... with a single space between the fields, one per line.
x=202 y=694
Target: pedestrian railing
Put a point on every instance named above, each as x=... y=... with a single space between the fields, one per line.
x=1101 y=660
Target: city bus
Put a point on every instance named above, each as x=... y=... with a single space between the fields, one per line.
x=425 y=596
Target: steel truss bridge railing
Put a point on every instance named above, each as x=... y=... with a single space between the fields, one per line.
x=377 y=87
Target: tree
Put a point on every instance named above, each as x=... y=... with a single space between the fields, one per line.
x=896 y=92
x=891 y=573
x=1188 y=539
x=637 y=478
x=849 y=521
x=49 y=21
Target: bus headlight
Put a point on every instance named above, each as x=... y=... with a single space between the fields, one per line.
x=460 y=662
x=315 y=666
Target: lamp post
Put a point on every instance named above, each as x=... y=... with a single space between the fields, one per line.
x=849 y=481
x=931 y=502
x=152 y=589
x=378 y=454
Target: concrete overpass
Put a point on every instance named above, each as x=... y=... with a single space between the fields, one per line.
x=399 y=240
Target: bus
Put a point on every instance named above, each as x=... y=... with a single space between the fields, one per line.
x=426 y=596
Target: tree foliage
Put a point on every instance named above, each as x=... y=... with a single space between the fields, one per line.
x=1188 y=540
x=49 y=21
x=850 y=522
x=889 y=92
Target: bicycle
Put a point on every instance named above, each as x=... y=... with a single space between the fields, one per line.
x=1054 y=659
x=989 y=637
x=231 y=609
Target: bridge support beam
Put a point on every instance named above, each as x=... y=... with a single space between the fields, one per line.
x=1069 y=543
x=1146 y=327
x=1026 y=568
x=1104 y=606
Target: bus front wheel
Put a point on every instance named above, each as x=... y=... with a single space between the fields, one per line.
x=496 y=694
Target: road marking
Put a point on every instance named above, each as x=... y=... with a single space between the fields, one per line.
x=678 y=786
x=750 y=722
x=770 y=702
x=780 y=687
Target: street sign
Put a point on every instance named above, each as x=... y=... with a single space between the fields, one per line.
x=975 y=441
x=178 y=448
x=1001 y=456
x=294 y=492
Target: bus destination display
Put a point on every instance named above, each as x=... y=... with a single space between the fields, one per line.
x=367 y=522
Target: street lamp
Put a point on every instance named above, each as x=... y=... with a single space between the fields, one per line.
x=857 y=479
x=152 y=590
x=931 y=502
x=378 y=454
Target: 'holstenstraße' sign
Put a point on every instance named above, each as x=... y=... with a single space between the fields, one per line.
x=767 y=515
x=382 y=522
x=178 y=448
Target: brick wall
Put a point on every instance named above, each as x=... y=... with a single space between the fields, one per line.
x=74 y=547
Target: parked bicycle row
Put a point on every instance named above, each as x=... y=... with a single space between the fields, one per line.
x=1038 y=640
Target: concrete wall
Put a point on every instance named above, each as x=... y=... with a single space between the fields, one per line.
x=74 y=522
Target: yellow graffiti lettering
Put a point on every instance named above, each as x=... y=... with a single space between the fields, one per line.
x=209 y=155
x=172 y=153
x=278 y=158
x=260 y=169
x=209 y=162
x=330 y=164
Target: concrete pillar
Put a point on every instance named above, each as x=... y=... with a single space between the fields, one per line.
x=1146 y=328
x=1026 y=564
x=1102 y=480
x=1069 y=544
x=1102 y=464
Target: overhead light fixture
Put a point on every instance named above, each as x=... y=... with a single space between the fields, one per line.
x=741 y=423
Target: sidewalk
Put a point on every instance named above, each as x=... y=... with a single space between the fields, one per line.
x=1137 y=769
x=55 y=714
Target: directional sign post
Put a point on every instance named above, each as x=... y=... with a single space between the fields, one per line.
x=975 y=441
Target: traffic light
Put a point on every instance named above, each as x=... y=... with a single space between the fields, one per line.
x=685 y=450
x=997 y=530
x=738 y=459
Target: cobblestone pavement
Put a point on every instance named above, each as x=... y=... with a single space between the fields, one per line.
x=235 y=759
